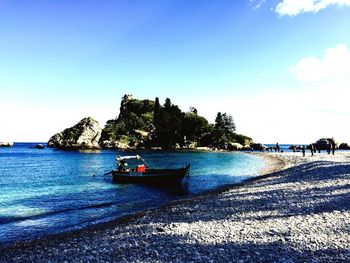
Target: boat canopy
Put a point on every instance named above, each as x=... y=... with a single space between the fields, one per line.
x=119 y=158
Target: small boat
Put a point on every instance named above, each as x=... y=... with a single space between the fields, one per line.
x=143 y=174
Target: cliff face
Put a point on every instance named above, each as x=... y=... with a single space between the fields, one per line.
x=84 y=135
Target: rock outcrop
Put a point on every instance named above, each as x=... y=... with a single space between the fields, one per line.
x=258 y=147
x=324 y=143
x=114 y=145
x=344 y=146
x=84 y=135
x=39 y=146
x=6 y=144
x=235 y=146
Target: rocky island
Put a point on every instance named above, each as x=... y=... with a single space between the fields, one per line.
x=84 y=135
x=6 y=144
x=146 y=124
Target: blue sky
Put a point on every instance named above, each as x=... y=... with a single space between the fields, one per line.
x=264 y=62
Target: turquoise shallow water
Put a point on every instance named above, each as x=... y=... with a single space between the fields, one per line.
x=51 y=191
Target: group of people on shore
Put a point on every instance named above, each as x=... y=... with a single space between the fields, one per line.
x=276 y=148
x=328 y=144
x=330 y=147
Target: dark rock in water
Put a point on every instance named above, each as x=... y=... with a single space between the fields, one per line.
x=39 y=146
x=259 y=147
x=84 y=135
x=344 y=146
x=6 y=144
x=324 y=143
x=234 y=146
x=246 y=148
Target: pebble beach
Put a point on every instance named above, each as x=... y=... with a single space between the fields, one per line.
x=297 y=210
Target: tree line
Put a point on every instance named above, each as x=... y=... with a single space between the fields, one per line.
x=146 y=123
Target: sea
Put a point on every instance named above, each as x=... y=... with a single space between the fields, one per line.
x=48 y=191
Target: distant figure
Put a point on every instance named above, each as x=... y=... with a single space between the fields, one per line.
x=294 y=148
x=329 y=147
x=303 y=150
x=278 y=149
x=312 y=149
x=333 y=146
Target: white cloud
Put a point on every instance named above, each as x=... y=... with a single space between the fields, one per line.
x=335 y=65
x=295 y=7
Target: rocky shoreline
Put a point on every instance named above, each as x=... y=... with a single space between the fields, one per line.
x=298 y=211
x=6 y=144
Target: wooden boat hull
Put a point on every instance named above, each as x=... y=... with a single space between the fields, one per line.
x=151 y=176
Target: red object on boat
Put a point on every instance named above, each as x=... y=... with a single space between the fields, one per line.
x=141 y=168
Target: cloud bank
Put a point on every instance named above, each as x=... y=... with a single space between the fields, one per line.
x=335 y=65
x=295 y=7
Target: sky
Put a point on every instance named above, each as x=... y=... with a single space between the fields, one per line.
x=281 y=68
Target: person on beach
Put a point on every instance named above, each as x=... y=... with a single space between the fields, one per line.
x=303 y=150
x=278 y=149
x=329 y=146
x=312 y=149
x=333 y=146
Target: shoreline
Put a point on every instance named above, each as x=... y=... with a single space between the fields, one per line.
x=279 y=167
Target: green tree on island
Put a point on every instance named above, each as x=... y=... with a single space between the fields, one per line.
x=169 y=125
x=195 y=126
x=223 y=131
x=146 y=123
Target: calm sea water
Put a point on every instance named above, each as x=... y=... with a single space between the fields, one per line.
x=50 y=191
